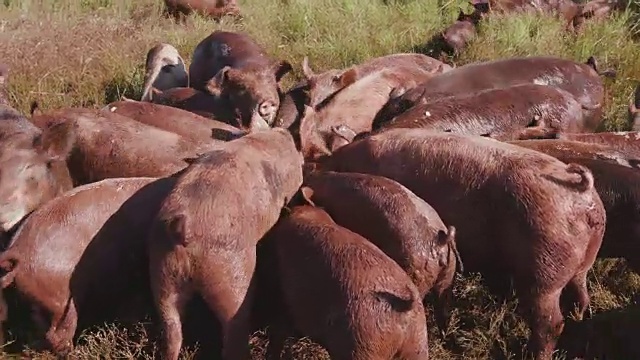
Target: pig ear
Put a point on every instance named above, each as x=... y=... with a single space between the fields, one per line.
x=397 y=92
x=344 y=132
x=190 y=160
x=347 y=78
x=216 y=83
x=281 y=69
x=306 y=69
x=176 y=227
x=307 y=194
x=56 y=141
x=227 y=135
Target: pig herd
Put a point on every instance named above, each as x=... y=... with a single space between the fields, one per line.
x=329 y=210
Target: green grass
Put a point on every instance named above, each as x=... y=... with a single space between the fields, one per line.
x=90 y=52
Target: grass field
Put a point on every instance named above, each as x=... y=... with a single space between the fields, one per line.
x=90 y=52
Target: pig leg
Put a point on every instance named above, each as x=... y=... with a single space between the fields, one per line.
x=63 y=327
x=170 y=303
x=277 y=337
x=229 y=294
x=546 y=323
x=442 y=308
x=577 y=288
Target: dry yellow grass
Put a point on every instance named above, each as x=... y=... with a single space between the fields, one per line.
x=90 y=52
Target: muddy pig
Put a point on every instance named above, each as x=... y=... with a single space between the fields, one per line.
x=90 y=269
x=580 y=80
x=236 y=68
x=397 y=221
x=511 y=113
x=108 y=145
x=190 y=126
x=241 y=187
x=541 y=225
x=343 y=292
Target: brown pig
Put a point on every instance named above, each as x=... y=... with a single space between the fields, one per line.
x=397 y=221
x=343 y=292
x=33 y=168
x=353 y=109
x=580 y=80
x=164 y=69
x=222 y=204
x=234 y=67
x=108 y=145
x=214 y=9
x=80 y=259
x=316 y=87
x=541 y=224
x=626 y=142
x=190 y=126
x=462 y=31
x=511 y=113
x=195 y=101
x=576 y=149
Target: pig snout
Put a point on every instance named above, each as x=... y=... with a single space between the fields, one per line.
x=267 y=111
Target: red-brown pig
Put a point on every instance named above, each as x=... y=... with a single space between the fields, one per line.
x=222 y=204
x=215 y=9
x=190 y=126
x=353 y=109
x=518 y=213
x=397 y=221
x=577 y=149
x=234 y=67
x=343 y=292
x=316 y=87
x=626 y=142
x=516 y=112
x=164 y=69
x=580 y=80
x=108 y=145
x=80 y=259
x=197 y=102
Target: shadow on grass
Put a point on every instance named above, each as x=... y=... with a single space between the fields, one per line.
x=120 y=85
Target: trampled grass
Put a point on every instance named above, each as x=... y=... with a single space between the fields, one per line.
x=91 y=52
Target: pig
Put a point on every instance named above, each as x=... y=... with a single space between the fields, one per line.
x=511 y=113
x=625 y=142
x=542 y=228
x=215 y=9
x=318 y=87
x=462 y=31
x=33 y=168
x=353 y=109
x=566 y=9
x=577 y=149
x=634 y=113
x=221 y=205
x=109 y=145
x=343 y=292
x=164 y=69
x=190 y=126
x=90 y=269
x=619 y=190
x=402 y=225
x=197 y=102
x=583 y=81
x=233 y=66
